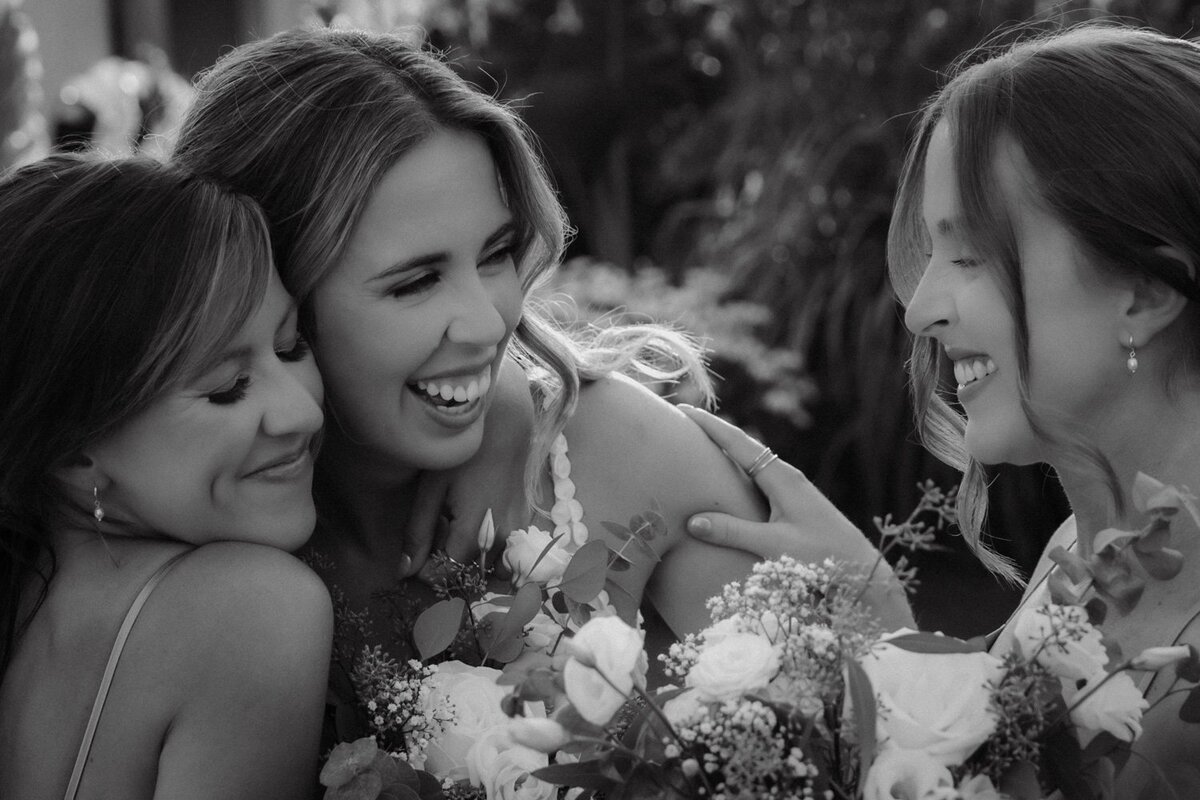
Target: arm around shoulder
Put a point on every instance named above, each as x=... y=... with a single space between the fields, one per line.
x=253 y=669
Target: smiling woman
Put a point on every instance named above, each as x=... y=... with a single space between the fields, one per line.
x=157 y=427
x=412 y=220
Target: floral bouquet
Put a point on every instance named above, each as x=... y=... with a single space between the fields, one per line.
x=437 y=726
x=795 y=692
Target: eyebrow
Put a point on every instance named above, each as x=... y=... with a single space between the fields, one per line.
x=506 y=230
x=947 y=227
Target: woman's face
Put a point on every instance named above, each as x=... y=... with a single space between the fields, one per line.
x=413 y=322
x=229 y=455
x=1075 y=357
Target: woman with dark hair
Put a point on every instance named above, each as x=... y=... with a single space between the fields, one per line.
x=412 y=219
x=1045 y=244
x=158 y=411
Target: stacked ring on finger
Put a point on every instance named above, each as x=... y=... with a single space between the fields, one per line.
x=761 y=461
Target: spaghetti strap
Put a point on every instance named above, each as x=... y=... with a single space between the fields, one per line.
x=85 y=747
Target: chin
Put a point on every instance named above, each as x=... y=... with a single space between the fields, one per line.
x=450 y=453
x=996 y=448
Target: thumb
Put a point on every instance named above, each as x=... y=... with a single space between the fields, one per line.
x=762 y=539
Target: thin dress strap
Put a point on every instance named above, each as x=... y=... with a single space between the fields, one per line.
x=85 y=747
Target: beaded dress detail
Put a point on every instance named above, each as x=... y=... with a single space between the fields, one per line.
x=566 y=513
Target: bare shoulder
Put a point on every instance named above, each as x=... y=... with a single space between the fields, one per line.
x=630 y=425
x=243 y=603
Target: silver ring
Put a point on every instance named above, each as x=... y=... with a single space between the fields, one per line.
x=761 y=461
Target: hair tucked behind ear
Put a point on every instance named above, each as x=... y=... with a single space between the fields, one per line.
x=308 y=121
x=118 y=279
x=1108 y=119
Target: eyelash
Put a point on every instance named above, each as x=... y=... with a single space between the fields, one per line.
x=429 y=279
x=227 y=397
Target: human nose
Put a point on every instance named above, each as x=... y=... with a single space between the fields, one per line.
x=295 y=402
x=931 y=308
x=476 y=318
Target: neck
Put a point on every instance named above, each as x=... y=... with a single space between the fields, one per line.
x=1158 y=439
x=365 y=498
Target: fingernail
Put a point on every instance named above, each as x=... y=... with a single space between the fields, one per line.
x=405 y=566
x=701 y=526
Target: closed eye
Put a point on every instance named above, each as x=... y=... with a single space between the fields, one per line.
x=297 y=352
x=422 y=283
x=227 y=397
x=501 y=255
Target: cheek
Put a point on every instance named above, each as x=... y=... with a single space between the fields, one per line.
x=510 y=302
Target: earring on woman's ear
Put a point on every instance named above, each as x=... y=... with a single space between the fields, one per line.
x=1131 y=363
x=97 y=509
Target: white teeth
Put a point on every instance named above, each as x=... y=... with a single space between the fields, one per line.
x=468 y=392
x=969 y=370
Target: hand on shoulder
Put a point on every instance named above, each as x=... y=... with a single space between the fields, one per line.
x=803 y=523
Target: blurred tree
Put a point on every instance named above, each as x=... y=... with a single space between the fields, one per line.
x=22 y=127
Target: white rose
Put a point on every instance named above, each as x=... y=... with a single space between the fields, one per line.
x=606 y=662
x=900 y=774
x=1115 y=707
x=473 y=696
x=1061 y=639
x=684 y=708
x=523 y=556
x=976 y=787
x=503 y=769
x=538 y=733
x=937 y=703
x=738 y=663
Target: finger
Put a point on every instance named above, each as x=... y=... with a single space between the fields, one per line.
x=778 y=479
x=762 y=539
x=421 y=530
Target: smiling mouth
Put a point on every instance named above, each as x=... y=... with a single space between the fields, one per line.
x=969 y=370
x=450 y=393
x=285 y=468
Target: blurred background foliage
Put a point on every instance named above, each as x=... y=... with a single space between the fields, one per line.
x=730 y=166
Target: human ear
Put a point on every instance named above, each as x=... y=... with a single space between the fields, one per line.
x=1152 y=305
x=82 y=477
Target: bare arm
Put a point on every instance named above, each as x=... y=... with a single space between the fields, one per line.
x=631 y=451
x=803 y=522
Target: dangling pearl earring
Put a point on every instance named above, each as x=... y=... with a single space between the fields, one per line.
x=97 y=510
x=1131 y=363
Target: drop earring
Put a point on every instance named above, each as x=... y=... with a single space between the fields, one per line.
x=1131 y=363
x=97 y=509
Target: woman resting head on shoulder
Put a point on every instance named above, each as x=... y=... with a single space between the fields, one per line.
x=157 y=425
x=1046 y=246
x=411 y=219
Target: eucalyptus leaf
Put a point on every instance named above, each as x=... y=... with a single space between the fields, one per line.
x=585 y=574
x=1190 y=710
x=922 y=642
x=1162 y=564
x=618 y=530
x=1019 y=782
x=1189 y=670
x=585 y=774
x=862 y=699
x=436 y=627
